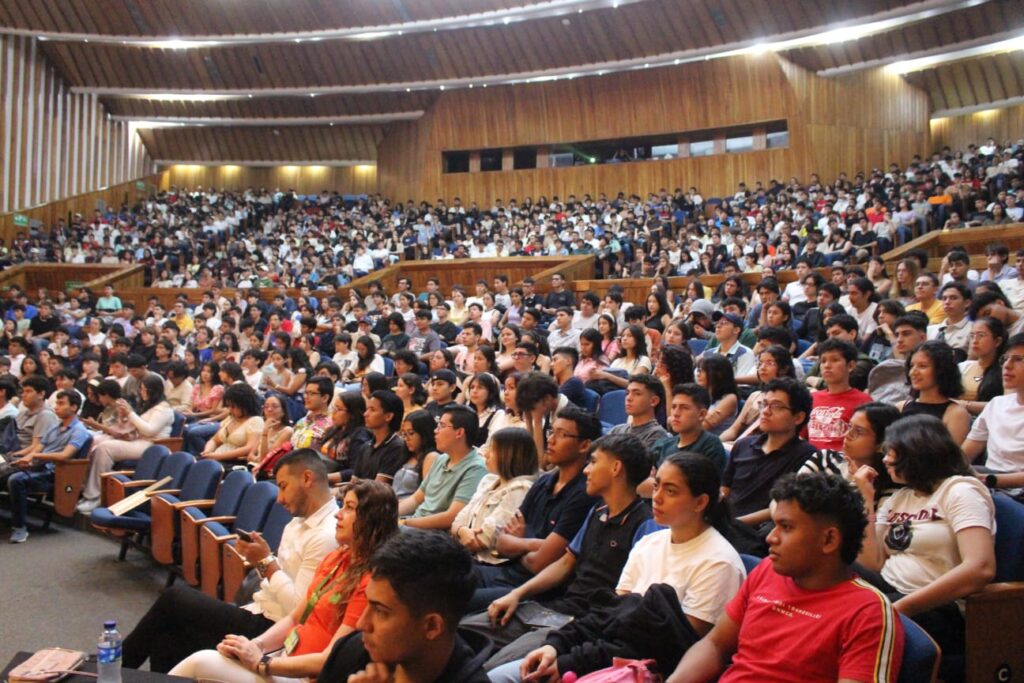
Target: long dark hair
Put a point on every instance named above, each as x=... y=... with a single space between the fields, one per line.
x=944 y=368
x=371 y=351
x=154 y=392
x=355 y=406
x=925 y=452
x=679 y=362
x=702 y=478
x=424 y=424
x=880 y=416
x=639 y=337
x=992 y=381
x=720 y=376
x=415 y=382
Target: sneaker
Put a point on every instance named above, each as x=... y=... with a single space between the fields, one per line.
x=19 y=534
x=86 y=506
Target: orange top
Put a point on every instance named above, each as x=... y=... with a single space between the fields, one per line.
x=329 y=614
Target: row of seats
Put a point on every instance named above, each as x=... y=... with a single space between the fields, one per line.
x=189 y=523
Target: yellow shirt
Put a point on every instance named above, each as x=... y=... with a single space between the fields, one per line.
x=935 y=313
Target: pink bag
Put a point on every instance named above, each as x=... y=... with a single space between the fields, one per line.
x=621 y=671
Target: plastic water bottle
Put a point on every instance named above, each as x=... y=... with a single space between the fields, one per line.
x=108 y=654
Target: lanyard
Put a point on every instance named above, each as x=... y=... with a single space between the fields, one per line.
x=321 y=588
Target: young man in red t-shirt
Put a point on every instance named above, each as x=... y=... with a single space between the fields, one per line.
x=834 y=405
x=803 y=614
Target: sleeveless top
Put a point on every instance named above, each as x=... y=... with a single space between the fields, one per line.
x=915 y=407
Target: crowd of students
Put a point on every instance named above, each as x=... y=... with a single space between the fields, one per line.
x=850 y=428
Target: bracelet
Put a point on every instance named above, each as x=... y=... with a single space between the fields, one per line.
x=262 y=565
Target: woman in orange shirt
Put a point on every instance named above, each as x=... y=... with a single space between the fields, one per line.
x=297 y=645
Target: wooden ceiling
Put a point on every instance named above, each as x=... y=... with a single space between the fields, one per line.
x=642 y=29
x=285 y=144
x=974 y=82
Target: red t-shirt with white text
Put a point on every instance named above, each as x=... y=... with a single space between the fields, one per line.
x=830 y=417
x=787 y=633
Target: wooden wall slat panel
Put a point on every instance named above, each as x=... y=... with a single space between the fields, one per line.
x=857 y=122
x=1005 y=125
x=302 y=179
x=54 y=144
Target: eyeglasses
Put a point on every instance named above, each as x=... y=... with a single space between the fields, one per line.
x=443 y=425
x=1007 y=359
x=313 y=393
x=552 y=434
x=406 y=435
x=857 y=432
x=774 y=406
x=769 y=363
x=979 y=335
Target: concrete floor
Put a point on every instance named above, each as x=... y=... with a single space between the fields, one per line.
x=59 y=587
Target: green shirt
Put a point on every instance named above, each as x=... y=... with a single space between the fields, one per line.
x=707 y=444
x=446 y=483
x=748 y=338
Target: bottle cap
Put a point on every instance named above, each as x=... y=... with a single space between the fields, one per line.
x=110 y=624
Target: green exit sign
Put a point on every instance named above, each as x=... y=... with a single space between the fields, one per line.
x=20 y=220
x=140 y=186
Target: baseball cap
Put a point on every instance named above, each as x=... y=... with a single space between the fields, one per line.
x=445 y=376
x=731 y=317
x=702 y=306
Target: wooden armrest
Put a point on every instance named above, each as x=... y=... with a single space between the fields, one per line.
x=73 y=463
x=126 y=473
x=136 y=483
x=222 y=518
x=182 y=504
x=159 y=491
x=998 y=592
x=226 y=537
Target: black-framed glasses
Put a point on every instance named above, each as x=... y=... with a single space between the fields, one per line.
x=552 y=434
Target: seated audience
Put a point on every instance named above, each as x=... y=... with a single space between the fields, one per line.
x=419 y=585
x=512 y=469
x=184 y=620
x=934 y=386
x=297 y=645
x=454 y=476
x=804 y=609
x=933 y=539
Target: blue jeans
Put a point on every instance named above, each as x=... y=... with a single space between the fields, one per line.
x=21 y=485
x=196 y=435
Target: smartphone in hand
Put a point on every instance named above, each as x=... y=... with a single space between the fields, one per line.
x=244 y=535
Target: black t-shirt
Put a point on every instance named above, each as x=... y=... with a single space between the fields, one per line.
x=600 y=556
x=349 y=656
x=559 y=299
x=447 y=331
x=545 y=511
x=40 y=326
x=369 y=460
x=751 y=472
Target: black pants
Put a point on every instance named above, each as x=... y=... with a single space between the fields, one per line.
x=182 y=621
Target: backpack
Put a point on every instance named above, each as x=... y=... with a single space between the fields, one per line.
x=621 y=671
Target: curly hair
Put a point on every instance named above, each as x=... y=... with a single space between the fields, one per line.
x=678 y=360
x=833 y=498
x=944 y=368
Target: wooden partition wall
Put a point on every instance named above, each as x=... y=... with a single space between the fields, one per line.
x=974 y=241
x=466 y=272
x=85 y=204
x=957 y=132
x=850 y=123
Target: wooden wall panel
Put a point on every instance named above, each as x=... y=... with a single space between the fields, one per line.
x=846 y=124
x=302 y=179
x=85 y=203
x=54 y=144
x=1005 y=125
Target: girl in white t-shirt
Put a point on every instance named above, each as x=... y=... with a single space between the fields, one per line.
x=690 y=554
x=934 y=538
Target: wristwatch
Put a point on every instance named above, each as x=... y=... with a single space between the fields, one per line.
x=263 y=668
x=991 y=481
x=262 y=565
